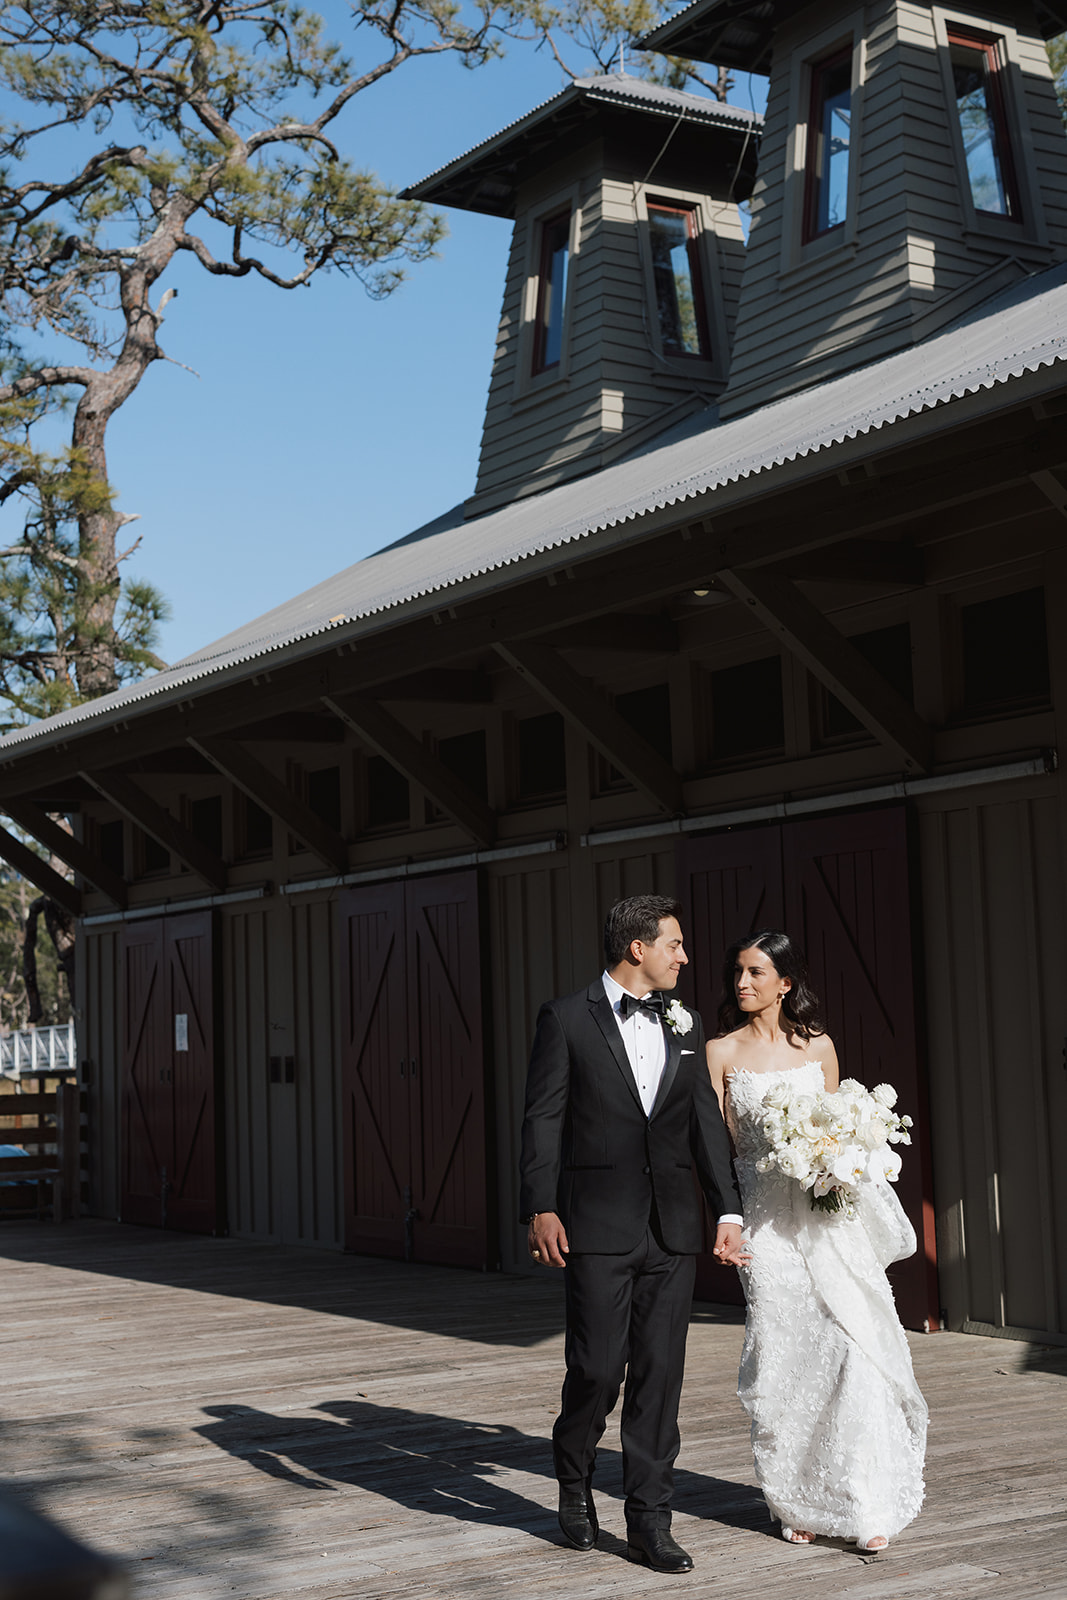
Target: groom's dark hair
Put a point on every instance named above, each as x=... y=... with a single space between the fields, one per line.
x=638 y=917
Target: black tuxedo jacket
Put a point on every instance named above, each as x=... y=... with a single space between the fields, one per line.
x=590 y=1153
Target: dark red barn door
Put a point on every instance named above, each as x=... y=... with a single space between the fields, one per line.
x=840 y=885
x=848 y=903
x=169 y=1134
x=375 y=1068
x=413 y=1072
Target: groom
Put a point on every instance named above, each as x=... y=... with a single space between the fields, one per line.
x=619 y=1108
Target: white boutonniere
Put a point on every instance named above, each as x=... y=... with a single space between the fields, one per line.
x=679 y=1020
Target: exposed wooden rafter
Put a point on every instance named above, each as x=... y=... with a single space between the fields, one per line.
x=127 y=797
x=583 y=705
x=452 y=685
x=268 y=791
x=73 y=851
x=617 y=630
x=37 y=870
x=835 y=662
x=858 y=561
x=389 y=738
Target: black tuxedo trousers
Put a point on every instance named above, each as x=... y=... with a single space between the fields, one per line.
x=622 y=1184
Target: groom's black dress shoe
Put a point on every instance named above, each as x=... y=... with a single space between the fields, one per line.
x=657 y=1549
x=577 y=1518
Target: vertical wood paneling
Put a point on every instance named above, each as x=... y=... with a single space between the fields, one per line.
x=997 y=1016
x=99 y=1045
x=246 y=985
x=530 y=962
x=317 y=1087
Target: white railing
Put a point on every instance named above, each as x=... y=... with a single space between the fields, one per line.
x=45 y=1051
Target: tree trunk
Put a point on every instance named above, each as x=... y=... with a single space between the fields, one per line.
x=29 y=960
x=93 y=646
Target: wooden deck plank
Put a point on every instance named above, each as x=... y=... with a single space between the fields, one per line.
x=240 y=1421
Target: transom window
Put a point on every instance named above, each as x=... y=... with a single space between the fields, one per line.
x=828 y=147
x=551 y=292
x=976 y=81
x=678 y=281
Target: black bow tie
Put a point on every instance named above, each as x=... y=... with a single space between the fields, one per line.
x=652 y=1003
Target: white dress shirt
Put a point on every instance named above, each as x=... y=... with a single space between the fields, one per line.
x=645 y=1042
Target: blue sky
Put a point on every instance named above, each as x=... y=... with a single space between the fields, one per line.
x=323 y=424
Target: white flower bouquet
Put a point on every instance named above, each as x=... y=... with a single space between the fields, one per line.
x=832 y=1143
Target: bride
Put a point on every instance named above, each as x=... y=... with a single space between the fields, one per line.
x=838 y=1422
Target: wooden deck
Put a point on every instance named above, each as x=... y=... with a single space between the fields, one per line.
x=238 y=1421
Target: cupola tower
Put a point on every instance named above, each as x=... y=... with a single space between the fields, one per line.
x=913 y=164
x=623 y=276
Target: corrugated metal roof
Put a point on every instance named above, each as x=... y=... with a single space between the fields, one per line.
x=1018 y=332
x=611 y=88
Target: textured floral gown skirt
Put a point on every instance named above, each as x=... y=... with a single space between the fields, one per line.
x=838 y=1422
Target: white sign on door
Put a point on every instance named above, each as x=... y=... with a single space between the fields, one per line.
x=181 y=1030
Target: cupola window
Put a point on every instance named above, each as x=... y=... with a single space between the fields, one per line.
x=976 y=81
x=551 y=292
x=678 y=281
x=828 y=144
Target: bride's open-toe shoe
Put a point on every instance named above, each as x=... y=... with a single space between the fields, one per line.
x=872 y=1546
x=796 y=1535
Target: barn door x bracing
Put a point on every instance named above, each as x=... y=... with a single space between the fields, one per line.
x=169 y=1132
x=413 y=1072
x=840 y=886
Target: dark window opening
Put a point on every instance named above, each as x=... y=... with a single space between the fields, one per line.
x=551 y=292
x=888 y=650
x=648 y=712
x=155 y=857
x=112 y=845
x=388 y=794
x=542 y=755
x=257 y=829
x=681 y=306
x=205 y=821
x=465 y=756
x=747 y=708
x=324 y=795
x=828 y=147
x=977 y=82
x=1005 y=653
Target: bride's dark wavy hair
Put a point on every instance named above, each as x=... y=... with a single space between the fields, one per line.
x=801 y=1004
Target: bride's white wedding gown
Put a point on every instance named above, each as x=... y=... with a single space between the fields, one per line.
x=838 y=1422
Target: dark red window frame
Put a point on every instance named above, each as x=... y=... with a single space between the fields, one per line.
x=990 y=44
x=696 y=278
x=814 y=175
x=548 y=315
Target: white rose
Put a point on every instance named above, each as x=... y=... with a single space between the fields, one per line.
x=885 y=1094
x=794 y=1163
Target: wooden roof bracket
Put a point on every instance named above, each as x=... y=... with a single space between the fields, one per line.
x=388 y=737
x=129 y=798
x=31 y=819
x=260 y=784
x=34 y=867
x=827 y=654
x=583 y=705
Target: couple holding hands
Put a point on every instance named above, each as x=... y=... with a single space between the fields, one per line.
x=624 y=1099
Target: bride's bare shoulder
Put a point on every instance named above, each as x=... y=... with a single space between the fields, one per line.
x=726 y=1045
